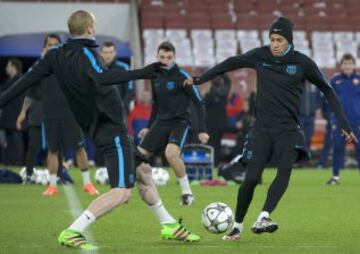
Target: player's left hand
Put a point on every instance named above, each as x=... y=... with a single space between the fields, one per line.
x=203 y=137
x=188 y=82
x=151 y=69
x=191 y=81
x=349 y=137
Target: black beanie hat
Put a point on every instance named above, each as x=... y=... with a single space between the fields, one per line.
x=284 y=27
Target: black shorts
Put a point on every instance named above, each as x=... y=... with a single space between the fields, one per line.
x=113 y=142
x=263 y=144
x=162 y=133
x=63 y=134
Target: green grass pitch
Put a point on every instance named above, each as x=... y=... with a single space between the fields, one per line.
x=313 y=218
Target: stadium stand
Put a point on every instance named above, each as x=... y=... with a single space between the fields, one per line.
x=318 y=25
x=209 y=31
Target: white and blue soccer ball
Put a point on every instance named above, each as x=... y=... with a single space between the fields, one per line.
x=101 y=176
x=42 y=176
x=217 y=217
x=160 y=176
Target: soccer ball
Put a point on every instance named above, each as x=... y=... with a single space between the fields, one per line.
x=217 y=217
x=42 y=176
x=160 y=176
x=101 y=176
x=22 y=174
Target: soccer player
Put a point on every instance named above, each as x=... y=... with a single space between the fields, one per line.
x=97 y=108
x=281 y=72
x=32 y=108
x=347 y=86
x=169 y=123
x=12 y=144
x=60 y=127
x=109 y=57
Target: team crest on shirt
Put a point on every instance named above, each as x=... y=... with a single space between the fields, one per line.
x=291 y=69
x=356 y=81
x=338 y=82
x=170 y=85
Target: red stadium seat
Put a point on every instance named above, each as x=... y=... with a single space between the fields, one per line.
x=198 y=24
x=341 y=26
x=316 y=23
x=152 y=23
x=173 y=7
x=197 y=7
x=299 y=23
x=264 y=21
x=175 y=22
x=151 y=15
x=218 y=8
x=222 y=22
x=266 y=9
x=244 y=7
x=246 y=22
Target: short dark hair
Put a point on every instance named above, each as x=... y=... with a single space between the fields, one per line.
x=347 y=57
x=167 y=46
x=17 y=64
x=108 y=44
x=52 y=36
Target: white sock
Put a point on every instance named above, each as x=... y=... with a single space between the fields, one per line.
x=185 y=185
x=239 y=226
x=162 y=214
x=262 y=215
x=337 y=178
x=53 y=179
x=86 y=176
x=83 y=221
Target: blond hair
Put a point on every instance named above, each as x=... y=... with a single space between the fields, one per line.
x=80 y=21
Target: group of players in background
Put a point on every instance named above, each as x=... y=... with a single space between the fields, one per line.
x=96 y=108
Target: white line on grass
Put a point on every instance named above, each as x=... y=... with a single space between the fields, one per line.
x=76 y=210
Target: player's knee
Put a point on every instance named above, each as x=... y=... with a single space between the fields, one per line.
x=172 y=152
x=143 y=173
x=252 y=179
x=144 y=152
x=81 y=153
x=284 y=177
x=52 y=154
x=120 y=195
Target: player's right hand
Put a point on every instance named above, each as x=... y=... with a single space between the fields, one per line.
x=349 y=137
x=143 y=133
x=20 y=120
